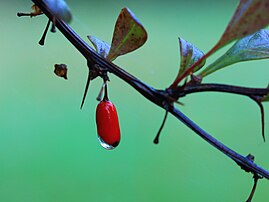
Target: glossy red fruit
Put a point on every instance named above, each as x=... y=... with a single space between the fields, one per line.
x=107 y=122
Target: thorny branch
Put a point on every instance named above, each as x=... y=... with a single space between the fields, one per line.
x=182 y=91
x=255 y=94
x=162 y=98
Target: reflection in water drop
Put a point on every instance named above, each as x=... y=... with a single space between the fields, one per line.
x=107 y=146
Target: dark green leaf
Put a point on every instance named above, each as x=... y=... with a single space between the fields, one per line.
x=101 y=47
x=129 y=34
x=252 y=47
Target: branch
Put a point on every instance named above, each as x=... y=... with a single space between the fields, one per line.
x=255 y=94
x=182 y=91
x=158 y=97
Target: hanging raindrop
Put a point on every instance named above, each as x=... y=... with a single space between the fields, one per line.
x=107 y=146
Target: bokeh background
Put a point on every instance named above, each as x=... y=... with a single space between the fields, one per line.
x=49 y=149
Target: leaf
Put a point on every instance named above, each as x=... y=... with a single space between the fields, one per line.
x=129 y=34
x=252 y=47
x=189 y=55
x=249 y=17
x=36 y=10
x=100 y=46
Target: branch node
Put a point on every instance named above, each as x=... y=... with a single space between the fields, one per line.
x=250 y=158
x=95 y=70
x=195 y=79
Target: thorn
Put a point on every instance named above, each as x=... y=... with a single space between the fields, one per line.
x=28 y=14
x=42 y=40
x=250 y=157
x=263 y=122
x=256 y=178
x=86 y=90
x=24 y=14
x=262 y=115
x=156 y=139
x=53 y=27
x=36 y=12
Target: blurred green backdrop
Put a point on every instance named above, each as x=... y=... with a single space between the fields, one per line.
x=48 y=146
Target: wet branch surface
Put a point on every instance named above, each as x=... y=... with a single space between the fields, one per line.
x=182 y=91
x=163 y=97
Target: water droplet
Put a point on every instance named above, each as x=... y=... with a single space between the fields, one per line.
x=107 y=146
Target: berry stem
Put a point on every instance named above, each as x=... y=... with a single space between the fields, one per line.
x=106 y=92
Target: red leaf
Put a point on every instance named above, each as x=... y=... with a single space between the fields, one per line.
x=249 y=17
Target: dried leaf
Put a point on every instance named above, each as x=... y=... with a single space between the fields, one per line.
x=60 y=9
x=36 y=10
x=189 y=55
x=249 y=17
x=100 y=46
x=129 y=34
x=61 y=70
x=252 y=47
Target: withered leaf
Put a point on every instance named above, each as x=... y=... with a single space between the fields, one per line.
x=129 y=35
x=60 y=70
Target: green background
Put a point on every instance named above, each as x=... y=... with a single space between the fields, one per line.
x=49 y=150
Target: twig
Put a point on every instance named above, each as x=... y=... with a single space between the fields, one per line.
x=255 y=94
x=155 y=96
x=182 y=91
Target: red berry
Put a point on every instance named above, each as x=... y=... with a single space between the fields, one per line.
x=107 y=122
